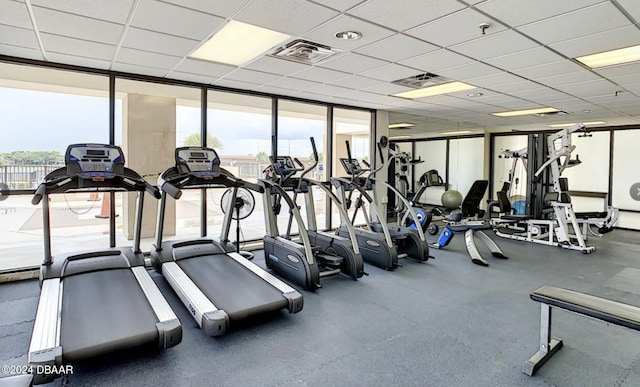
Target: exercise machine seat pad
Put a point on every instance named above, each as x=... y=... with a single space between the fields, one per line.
x=588 y=305
x=591 y=215
x=104 y=311
x=231 y=287
x=515 y=217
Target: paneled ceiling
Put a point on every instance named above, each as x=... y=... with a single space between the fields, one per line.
x=524 y=60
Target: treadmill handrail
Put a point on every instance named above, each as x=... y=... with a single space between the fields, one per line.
x=222 y=179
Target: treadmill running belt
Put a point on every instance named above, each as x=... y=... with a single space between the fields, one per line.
x=231 y=287
x=104 y=311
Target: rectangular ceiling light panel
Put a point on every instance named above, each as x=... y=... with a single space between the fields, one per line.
x=445 y=88
x=514 y=113
x=237 y=43
x=611 y=58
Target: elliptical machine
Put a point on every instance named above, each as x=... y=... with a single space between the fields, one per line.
x=319 y=254
x=407 y=243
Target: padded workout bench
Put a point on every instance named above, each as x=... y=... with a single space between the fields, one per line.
x=595 y=307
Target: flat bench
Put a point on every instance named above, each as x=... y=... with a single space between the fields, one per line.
x=595 y=307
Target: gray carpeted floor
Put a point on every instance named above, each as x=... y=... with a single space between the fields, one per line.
x=444 y=323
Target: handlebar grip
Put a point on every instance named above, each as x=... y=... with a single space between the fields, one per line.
x=313 y=146
x=381 y=153
x=366 y=163
x=299 y=162
x=37 y=197
x=171 y=190
x=153 y=190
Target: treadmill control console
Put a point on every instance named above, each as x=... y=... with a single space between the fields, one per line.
x=198 y=161
x=93 y=161
x=352 y=166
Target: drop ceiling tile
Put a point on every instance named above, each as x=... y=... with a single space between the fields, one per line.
x=390 y=72
x=237 y=84
x=201 y=67
x=225 y=8
x=436 y=60
x=192 y=77
x=340 y=5
x=387 y=88
x=631 y=69
x=466 y=71
x=272 y=89
x=77 y=47
x=293 y=17
x=492 y=45
x=591 y=88
x=527 y=58
x=21 y=52
x=611 y=100
x=597 y=18
x=515 y=86
x=548 y=70
x=631 y=6
x=325 y=33
x=397 y=48
x=135 y=69
x=565 y=79
x=161 y=17
x=318 y=74
x=293 y=83
x=330 y=90
x=455 y=28
x=251 y=76
x=546 y=97
x=603 y=41
x=116 y=11
x=158 y=42
x=78 y=60
x=14 y=14
x=18 y=37
x=276 y=66
x=519 y=12
x=403 y=14
x=497 y=79
x=60 y=23
x=148 y=59
x=357 y=82
x=353 y=63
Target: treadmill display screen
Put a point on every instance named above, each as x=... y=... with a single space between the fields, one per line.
x=95 y=152
x=94 y=160
x=199 y=155
x=202 y=162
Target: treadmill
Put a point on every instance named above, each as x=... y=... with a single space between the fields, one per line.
x=217 y=285
x=98 y=301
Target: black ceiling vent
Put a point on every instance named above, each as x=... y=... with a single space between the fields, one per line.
x=304 y=51
x=421 y=80
x=551 y=114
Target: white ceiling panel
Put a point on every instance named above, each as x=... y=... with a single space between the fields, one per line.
x=591 y=88
x=631 y=69
x=170 y=19
x=148 y=59
x=466 y=71
x=455 y=28
x=387 y=88
x=603 y=41
x=293 y=83
x=566 y=79
x=533 y=57
x=492 y=45
x=340 y=5
x=515 y=86
x=631 y=6
x=78 y=60
x=613 y=100
x=500 y=78
x=135 y=69
x=353 y=63
x=403 y=14
x=318 y=74
x=201 y=67
x=270 y=89
x=65 y=24
x=252 y=76
x=397 y=48
x=330 y=90
x=325 y=33
x=547 y=97
x=83 y=48
x=357 y=82
x=293 y=17
x=21 y=52
x=14 y=14
x=391 y=72
x=116 y=11
x=18 y=37
x=158 y=42
x=519 y=12
x=436 y=60
x=224 y=8
x=548 y=70
x=597 y=18
x=276 y=66
x=193 y=77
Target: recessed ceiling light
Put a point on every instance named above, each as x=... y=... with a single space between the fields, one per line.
x=398 y=137
x=513 y=113
x=401 y=125
x=348 y=35
x=237 y=43
x=613 y=57
x=474 y=95
x=444 y=88
x=590 y=123
x=457 y=132
x=586 y=111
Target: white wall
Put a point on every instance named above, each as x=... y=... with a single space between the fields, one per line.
x=466 y=163
x=434 y=154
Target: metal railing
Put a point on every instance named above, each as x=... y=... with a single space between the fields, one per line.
x=18 y=176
